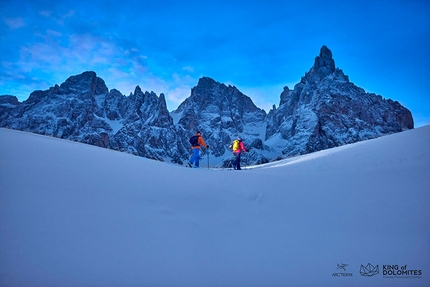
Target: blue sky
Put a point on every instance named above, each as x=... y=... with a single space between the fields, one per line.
x=257 y=46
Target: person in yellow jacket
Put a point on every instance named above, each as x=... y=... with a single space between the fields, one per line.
x=237 y=147
x=196 y=142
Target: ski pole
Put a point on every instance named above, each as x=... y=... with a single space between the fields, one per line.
x=208 y=158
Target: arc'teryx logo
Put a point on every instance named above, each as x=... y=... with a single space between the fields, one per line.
x=342 y=266
x=342 y=274
x=369 y=270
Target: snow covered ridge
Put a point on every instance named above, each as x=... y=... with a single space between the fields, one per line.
x=324 y=110
x=78 y=215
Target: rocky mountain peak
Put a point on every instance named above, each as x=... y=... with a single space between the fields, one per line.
x=138 y=90
x=326 y=110
x=323 y=65
x=7 y=99
x=324 y=61
x=323 y=110
x=221 y=112
x=206 y=82
x=86 y=83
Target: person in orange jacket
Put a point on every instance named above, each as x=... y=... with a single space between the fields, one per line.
x=196 y=142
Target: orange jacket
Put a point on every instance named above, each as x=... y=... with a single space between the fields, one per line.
x=201 y=142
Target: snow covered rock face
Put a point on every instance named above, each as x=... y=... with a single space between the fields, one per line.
x=324 y=110
x=82 y=109
x=221 y=113
x=7 y=104
x=67 y=111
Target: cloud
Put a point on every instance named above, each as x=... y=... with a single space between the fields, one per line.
x=79 y=51
x=14 y=23
x=54 y=33
x=54 y=56
x=45 y=13
x=264 y=97
x=177 y=95
x=39 y=56
x=69 y=14
x=188 y=69
x=57 y=17
x=175 y=88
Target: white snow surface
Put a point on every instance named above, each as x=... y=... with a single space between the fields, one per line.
x=78 y=215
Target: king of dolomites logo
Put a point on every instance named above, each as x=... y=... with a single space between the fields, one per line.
x=369 y=270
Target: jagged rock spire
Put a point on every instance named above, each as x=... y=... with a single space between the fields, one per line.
x=325 y=60
x=326 y=110
x=323 y=65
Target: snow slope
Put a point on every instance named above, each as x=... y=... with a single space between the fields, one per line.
x=77 y=215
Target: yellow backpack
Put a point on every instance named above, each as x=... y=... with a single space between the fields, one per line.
x=235 y=145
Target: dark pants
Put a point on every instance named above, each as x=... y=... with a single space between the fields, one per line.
x=236 y=163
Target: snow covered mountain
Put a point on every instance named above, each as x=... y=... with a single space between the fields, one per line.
x=77 y=215
x=324 y=110
x=82 y=109
x=222 y=113
x=327 y=110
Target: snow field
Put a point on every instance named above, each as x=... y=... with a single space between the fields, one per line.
x=77 y=215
